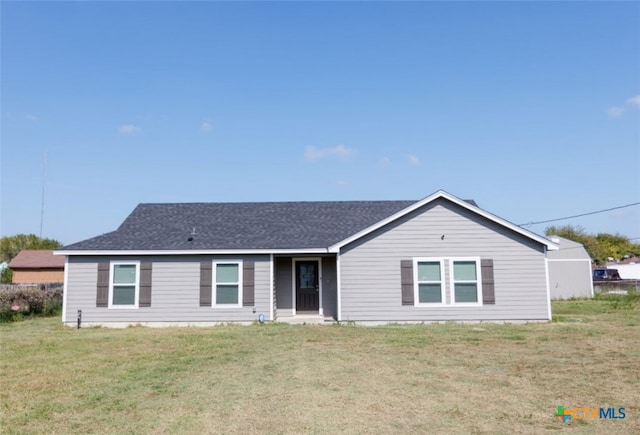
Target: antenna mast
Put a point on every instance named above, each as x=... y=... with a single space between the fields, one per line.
x=44 y=172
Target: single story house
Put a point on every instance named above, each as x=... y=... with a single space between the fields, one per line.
x=371 y=262
x=569 y=270
x=37 y=266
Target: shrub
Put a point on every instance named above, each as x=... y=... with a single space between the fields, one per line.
x=15 y=304
x=6 y=275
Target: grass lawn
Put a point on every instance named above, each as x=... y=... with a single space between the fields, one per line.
x=276 y=378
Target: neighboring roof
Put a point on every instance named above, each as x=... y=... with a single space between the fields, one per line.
x=568 y=250
x=261 y=226
x=629 y=260
x=36 y=259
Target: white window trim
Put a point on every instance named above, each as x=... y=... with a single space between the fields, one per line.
x=137 y=284
x=214 y=283
x=416 y=284
x=478 y=281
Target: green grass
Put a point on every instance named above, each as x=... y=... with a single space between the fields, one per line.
x=276 y=378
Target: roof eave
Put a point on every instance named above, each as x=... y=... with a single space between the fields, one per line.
x=109 y=252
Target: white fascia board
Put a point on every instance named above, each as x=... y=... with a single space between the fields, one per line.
x=192 y=252
x=464 y=204
x=569 y=259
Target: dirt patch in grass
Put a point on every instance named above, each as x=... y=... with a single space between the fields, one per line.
x=314 y=379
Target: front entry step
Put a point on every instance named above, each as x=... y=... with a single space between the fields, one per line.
x=309 y=319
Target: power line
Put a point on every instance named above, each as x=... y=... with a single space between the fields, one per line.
x=579 y=215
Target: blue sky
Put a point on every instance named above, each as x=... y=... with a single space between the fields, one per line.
x=530 y=108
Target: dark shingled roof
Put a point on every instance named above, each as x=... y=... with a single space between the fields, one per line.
x=261 y=225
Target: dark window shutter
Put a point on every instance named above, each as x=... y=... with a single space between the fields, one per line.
x=102 y=291
x=248 y=284
x=488 y=284
x=406 y=278
x=145 y=285
x=205 y=284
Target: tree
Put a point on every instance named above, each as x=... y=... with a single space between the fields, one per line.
x=601 y=246
x=616 y=246
x=11 y=245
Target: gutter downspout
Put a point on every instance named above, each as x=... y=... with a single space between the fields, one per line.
x=338 y=288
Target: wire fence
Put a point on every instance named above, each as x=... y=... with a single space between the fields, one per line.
x=44 y=286
x=623 y=286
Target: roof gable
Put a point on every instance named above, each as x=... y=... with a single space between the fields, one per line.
x=568 y=249
x=467 y=204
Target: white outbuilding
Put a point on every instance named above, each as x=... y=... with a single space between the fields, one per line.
x=569 y=270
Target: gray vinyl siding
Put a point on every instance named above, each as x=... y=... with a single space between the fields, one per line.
x=175 y=292
x=329 y=287
x=284 y=289
x=570 y=279
x=370 y=267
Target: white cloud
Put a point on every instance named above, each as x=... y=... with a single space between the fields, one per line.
x=128 y=129
x=634 y=101
x=314 y=153
x=31 y=117
x=413 y=160
x=615 y=111
x=621 y=214
x=618 y=111
x=384 y=162
x=342 y=183
x=206 y=126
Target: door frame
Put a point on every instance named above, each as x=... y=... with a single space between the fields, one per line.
x=294 y=276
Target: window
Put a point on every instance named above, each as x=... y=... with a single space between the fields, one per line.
x=433 y=278
x=227 y=283
x=124 y=285
x=429 y=282
x=465 y=282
